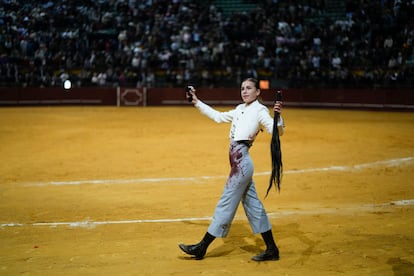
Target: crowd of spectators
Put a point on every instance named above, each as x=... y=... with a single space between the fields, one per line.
x=174 y=42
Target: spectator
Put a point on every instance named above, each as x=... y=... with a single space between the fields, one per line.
x=37 y=39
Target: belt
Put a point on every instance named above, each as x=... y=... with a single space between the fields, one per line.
x=245 y=142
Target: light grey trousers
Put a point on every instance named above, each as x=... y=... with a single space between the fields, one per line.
x=239 y=188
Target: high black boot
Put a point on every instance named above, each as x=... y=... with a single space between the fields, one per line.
x=271 y=253
x=198 y=250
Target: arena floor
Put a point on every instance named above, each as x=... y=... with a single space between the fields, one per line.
x=112 y=191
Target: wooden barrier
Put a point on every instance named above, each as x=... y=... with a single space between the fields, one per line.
x=333 y=98
x=57 y=96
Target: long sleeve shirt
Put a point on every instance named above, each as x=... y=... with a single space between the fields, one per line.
x=246 y=120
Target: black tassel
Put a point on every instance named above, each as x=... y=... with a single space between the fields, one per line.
x=277 y=166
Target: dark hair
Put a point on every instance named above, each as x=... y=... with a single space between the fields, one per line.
x=253 y=80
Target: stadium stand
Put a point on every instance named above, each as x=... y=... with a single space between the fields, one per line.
x=296 y=43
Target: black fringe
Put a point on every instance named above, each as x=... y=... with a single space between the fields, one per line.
x=277 y=165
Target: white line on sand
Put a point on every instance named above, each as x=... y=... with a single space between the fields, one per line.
x=282 y=213
x=391 y=162
x=387 y=163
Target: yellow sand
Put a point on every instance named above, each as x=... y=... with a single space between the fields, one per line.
x=152 y=176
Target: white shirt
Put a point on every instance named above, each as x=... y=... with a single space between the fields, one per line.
x=246 y=120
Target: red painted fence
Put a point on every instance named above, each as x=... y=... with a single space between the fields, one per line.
x=337 y=98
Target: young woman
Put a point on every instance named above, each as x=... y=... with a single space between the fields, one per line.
x=246 y=120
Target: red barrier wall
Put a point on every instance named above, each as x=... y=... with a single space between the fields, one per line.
x=353 y=98
x=57 y=96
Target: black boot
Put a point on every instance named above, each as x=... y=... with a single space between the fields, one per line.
x=198 y=250
x=271 y=253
